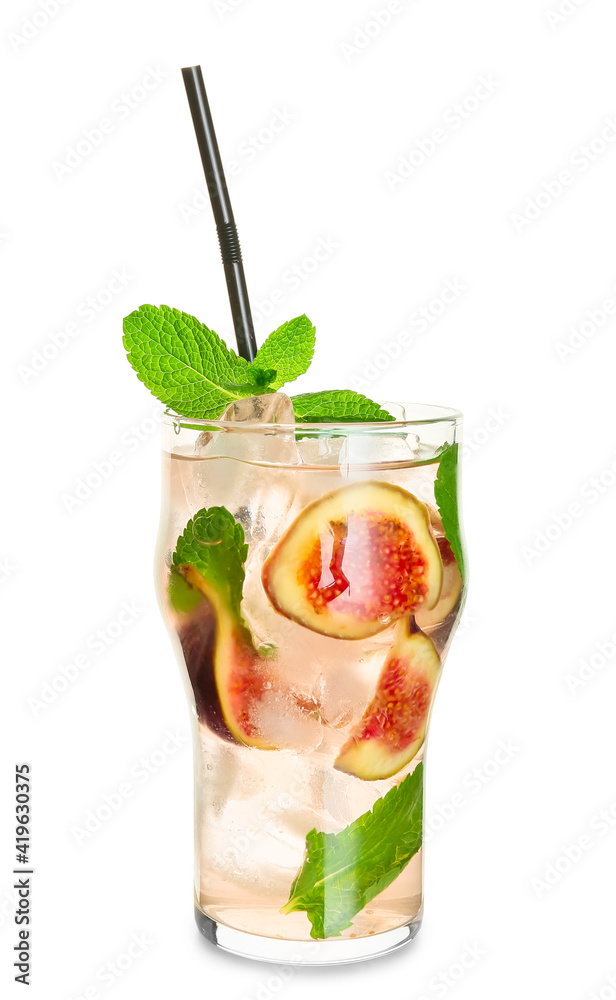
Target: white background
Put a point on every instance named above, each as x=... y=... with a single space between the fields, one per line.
x=533 y=616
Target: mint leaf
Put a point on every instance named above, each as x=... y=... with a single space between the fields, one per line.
x=446 y=495
x=186 y=365
x=337 y=406
x=288 y=350
x=343 y=871
x=214 y=544
x=251 y=388
x=262 y=377
x=193 y=372
x=259 y=380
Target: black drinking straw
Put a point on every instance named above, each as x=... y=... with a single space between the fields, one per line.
x=223 y=213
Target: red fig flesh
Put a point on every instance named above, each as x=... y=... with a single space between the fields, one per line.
x=355 y=561
x=228 y=675
x=393 y=727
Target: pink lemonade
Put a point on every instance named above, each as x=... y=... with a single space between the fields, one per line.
x=311 y=592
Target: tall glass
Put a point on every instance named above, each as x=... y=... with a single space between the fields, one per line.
x=310 y=699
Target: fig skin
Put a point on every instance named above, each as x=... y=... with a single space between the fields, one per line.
x=394 y=725
x=451 y=592
x=355 y=561
x=226 y=671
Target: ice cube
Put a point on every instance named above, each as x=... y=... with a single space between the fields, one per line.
x=270 y=444
x=259 y=840
x=344 y=798
x=283 y=722
x=387 y=449
x=272 y=408
x=346 y=686
x=259 y=498
x=322 y=798
x=247 y=469
x=420 y=482
x=321 y=450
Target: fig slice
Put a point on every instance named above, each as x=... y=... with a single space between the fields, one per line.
x=355 y=561
x=452 y=588
x=228 y=675
x=393 y=727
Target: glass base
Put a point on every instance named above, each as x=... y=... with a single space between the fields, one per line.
x=303 y=953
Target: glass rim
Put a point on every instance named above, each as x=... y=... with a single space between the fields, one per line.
x=434 y=415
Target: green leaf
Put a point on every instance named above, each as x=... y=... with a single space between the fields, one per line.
x=337 y=406
x=288 y=350
x=192 y=371
x=446 y=495
x=214 y=544
x=248 y=389
x=258 y=381
x=343 y=872
x=186 y=365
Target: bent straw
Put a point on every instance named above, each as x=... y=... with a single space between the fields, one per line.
x=223 y=213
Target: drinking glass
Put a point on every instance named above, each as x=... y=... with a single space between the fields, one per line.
x=311 y=579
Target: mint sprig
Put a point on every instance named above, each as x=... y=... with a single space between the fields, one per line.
x=343 y=872
x=186 y=365
x=446 y=490
x=337 y=406
x=213 y=543
x=288 y=350
x=193 y=372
